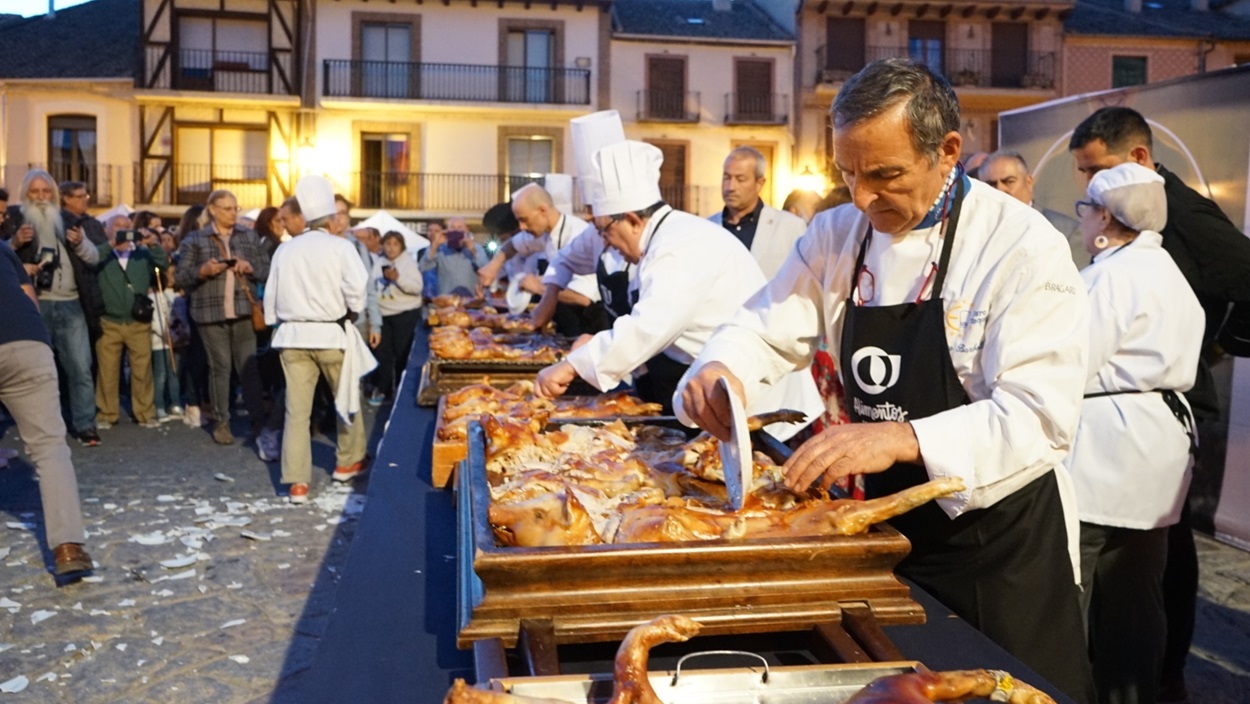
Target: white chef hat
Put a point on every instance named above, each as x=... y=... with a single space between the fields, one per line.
x=560 y=187
x=629 y=176
x=316 y=197
x=1133 y=194
x=591 y=133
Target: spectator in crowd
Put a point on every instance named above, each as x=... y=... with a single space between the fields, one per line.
x=218 y=267
x=372 y=241
x=429 y=277
x=4 y=207
x=973 y=164
x=57 y=258
x=399 y=299
x=291 y=217
x=193 y=363
x=128 y=260
x=315 y=286
x=147 y=220
x=269 y=230
x=1009 y=172
x=769 y=234
x=802 y=203
x=370 y=323
x=28 y=389
x=456 y=258
x=171 y=332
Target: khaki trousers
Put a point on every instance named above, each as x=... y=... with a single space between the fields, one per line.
x=28 y=388
x=136 y=338
x=302 y=368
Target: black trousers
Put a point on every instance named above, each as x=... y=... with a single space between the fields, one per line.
x=572 y=320
x=660 y=381
x=1180 y=598
x=397 y=333
x=1122 y=577
x=1005 y=570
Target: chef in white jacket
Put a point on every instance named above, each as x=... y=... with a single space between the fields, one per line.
x=316 y=281
x=1131 y=457
x=769 y=233
x=961 y=326
x=692 y=276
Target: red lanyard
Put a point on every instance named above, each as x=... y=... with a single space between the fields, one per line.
x=928 y=279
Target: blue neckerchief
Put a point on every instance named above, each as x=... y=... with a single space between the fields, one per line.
x=937 y=212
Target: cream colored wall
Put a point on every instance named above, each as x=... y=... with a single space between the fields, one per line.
x=458 y=34
x=28 y=106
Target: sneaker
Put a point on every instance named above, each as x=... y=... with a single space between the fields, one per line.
x=175 y=411
x=102 y=424
x=298 y=494
x=192 y=417
x=351 y=471
x=150 y=424
x=268 y=445
x=89 y=438
x=375 y=399
x=221 y=434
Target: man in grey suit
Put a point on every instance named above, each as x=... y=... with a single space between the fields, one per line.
x=768 y=233
x=1009 y=172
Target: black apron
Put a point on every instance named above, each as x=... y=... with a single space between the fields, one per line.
x=987 y=564
x=663 y=372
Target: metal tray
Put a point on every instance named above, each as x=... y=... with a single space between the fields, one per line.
x=599 y=592
x=803 y=684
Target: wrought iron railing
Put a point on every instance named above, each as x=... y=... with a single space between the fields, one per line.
x=668 y=106
x=211 y=71
x=103 y=181
x=426 y=81
x=756 y=108
x=962 y=67
x=190 y=184
x=439 y=192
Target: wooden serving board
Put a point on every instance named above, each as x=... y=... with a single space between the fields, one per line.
x=599 y=592
x=445 y=454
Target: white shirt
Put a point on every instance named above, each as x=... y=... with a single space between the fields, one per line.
x=1017 y=330
x=404 y=293
x=1130 y=459
x=693 y=276
x=313 y=281
x=549 y=244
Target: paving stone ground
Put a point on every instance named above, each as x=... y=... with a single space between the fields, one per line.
x=253 y=611
x=241 y=614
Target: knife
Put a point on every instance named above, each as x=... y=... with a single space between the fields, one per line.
x=736 y=458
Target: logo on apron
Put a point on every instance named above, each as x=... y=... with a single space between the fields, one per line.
x=882 y=369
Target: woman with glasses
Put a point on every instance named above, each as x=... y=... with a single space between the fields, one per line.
x=219 y=267
x=1131 y=457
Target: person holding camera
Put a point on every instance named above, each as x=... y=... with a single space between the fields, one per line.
x=128 y=261
x=219 y=267
x=456 y=258
x=399 y=284
x=61 y=260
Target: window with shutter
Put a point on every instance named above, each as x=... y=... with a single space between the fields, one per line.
x=844 y=44
x=666 y=87
x=673 y=173
x=753 y=97
x=1009 y=42
x=925 y=40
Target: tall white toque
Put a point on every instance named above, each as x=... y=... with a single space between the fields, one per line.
x=590 y=134
x=629 y=176
x=316 y=197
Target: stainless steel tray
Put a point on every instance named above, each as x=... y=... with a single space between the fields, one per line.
x=804 y=684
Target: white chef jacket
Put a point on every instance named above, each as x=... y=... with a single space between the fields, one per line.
x=1017 y=329
x=1130 y=459
x=566 y=230
x=313 y=281
x=775 y=235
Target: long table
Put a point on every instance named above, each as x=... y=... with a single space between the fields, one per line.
x=392 y=633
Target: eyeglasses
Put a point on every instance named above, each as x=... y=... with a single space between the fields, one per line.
x=611 y=221
x=1084 y=206
x=83 y=194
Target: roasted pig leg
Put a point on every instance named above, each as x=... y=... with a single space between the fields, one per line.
x=956 y=686
x=630 y=672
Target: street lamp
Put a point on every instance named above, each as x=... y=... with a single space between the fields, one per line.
x=810 y=181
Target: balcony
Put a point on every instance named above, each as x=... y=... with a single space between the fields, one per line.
x=396 y=190
x=756 y=108
x=974 y=68
x=467 y=82
x=668 y=106
x=190 y=184
x=104 y=181
x=211 y=71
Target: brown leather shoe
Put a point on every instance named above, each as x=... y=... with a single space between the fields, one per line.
x=71 y=558
x=221 y=434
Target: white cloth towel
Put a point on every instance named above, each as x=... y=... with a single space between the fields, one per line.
x=357 y=361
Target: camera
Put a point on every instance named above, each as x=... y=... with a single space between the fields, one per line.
x=48 y=262
x=124 y=236
x=228 y=262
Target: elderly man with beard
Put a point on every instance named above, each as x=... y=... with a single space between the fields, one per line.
x=57 y=259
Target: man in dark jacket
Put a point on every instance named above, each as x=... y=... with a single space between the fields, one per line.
x=74 y=202
x=1214 y=257
x=126 y=272
x=58 y=258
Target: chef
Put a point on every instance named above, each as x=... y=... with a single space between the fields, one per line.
x=692 y=276
x=961 y=328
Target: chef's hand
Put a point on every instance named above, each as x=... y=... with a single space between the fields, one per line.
x=212 y=268
x=855 y=448
x=23 y=236
x=581 y=340
x=554 y=380
x=533 y=283
x=73 y=235
x=705 y=401
x=486 y=275
x=546 y=308
x=242 y=267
